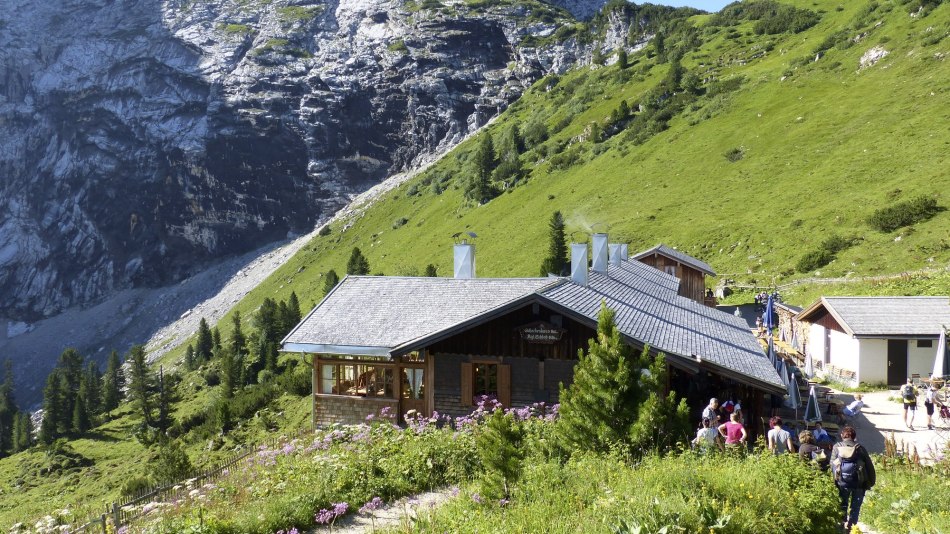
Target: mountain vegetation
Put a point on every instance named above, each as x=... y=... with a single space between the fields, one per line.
x=750 y=138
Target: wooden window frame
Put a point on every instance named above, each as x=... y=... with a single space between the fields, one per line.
x=356 y=364
x=502 y=381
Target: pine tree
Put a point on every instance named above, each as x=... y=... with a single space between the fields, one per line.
x=8 y=409
x=80 y=418
x=92 y=384
x=556 y=262
x=229 y=376
x=53 y=415
x=330 y=281
x=71 y=364
x=23 y=434
x=622 y=59
x=501 y=454
x=295 y=315
x=478 y=188
x=597 y=56
x=141 y=385
x=600 y=406
x=511 y=144
x=357 y=264
x=205 y=343
x=164 y=420
x=431 y=271
x=617 y=400
x=238 y=342
x=215 y=340
x=285 y=321
x=113 y=382
x=190 y=357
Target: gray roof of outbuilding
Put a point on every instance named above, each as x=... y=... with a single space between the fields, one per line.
x=886 y=316
x=681 y=257
x=652 y=313
x=379 y=313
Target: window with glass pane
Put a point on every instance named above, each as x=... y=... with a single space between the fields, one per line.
x=486 y=379
x=412 y=383
x=357 y=380
x=375 y=381
x=328 y=379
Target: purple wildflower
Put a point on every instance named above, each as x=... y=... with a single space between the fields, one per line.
x=454 y=491
x=477 y=498
x=327 y=517
x=371 y=505
x=503 y=502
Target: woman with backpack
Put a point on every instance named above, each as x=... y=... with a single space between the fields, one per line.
x=854 y=474
x=909 y=395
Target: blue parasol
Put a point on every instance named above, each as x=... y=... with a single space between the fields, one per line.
x=772 y=356
x=812 y=410
x=794 y=397
x=767 y=320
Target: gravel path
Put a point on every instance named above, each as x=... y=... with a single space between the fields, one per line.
x=390 y=516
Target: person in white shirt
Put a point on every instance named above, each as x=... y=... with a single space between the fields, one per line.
x=854 y=408
x=707 y=437
x=780 y=441
x=929 y=405
x=711 y=412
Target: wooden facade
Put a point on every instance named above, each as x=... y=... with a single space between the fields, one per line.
x=692 y=281
x=520 y=358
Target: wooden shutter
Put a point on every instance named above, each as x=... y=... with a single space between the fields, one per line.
x=466 y=384
x=504 y=385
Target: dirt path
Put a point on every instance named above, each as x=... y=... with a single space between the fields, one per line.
x=389 y=516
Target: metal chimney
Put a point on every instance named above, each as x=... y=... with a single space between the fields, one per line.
x=600 y=253
x=614 y=254
x=464 y=260
x=624 y=254
x=579 y=263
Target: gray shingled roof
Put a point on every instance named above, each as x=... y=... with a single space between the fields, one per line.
x=887 y=316
x=668 y=322
x=678 y=256
x=383 y=312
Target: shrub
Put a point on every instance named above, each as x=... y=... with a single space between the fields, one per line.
x=824 y=255
x=135 y=485
x=734 y=154
x=903 y=214
x=324 y=231
x=400 y=222
x=169 y=462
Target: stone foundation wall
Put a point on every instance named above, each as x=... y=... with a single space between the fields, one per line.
x=331 y=409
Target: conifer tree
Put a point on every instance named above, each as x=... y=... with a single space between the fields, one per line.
x=229 y=376
x=215 y=340
x=499 y=447
x=478 y=187
x=80 y=418
x=622 y=59
x=597 y=56
x=330 y=281
x=53 y=413
x=556 y=261
x=141 y=385
x=92 y=390
x=113 y=382
x=205 y=343
x=190 y=357
x=431 y=271
x=600 y=406
x=357 y=264
x=23 y=432
x=164 y=420
x=295 y=315
x=284 y=321
x=8 y=409
x=238 y=342
x=71 y=364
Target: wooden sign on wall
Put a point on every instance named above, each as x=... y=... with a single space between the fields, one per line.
x=541 y=332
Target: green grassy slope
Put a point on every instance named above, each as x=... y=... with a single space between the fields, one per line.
x=823 y=145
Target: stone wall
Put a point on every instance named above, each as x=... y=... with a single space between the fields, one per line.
x=329 y=409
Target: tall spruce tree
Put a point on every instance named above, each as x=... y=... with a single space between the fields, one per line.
x=23 y=432
x=190 y=357
x=556 y=261
x=238 y=341
x=113 y=382
x=229 y=378
x=80 y=417
x=431 y=271
x=8 y=409
x=164 y=419
x=294 y=313
x=71 y=364
x=478 y=188
x=330 y=281
x=622 y=59
x=357 y=264
x=205 y=343
x=54 y=416
x=92 y=389
x=141 y=385
x=215 y=340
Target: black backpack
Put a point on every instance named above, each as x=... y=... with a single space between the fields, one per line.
x=850 y=471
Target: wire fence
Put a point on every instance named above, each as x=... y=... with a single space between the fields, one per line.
x=134 y=507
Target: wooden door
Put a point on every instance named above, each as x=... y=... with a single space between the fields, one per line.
x=896 y=362
x=413 y=390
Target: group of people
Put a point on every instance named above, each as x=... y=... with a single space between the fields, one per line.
x=909 y=395
x=848 y=460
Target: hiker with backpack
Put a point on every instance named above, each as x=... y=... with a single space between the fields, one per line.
x=809 y=451
x=854 y=474
x=909 y=396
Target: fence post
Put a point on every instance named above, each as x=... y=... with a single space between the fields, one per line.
x=115 y=516
x=102 y=521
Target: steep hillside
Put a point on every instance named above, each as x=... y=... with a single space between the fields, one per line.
x=764 y=155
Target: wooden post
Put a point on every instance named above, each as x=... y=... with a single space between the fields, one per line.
x=102 y=521
x=313 y=393
x=115 y=516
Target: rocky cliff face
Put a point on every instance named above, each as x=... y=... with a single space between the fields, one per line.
x=140 y=139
